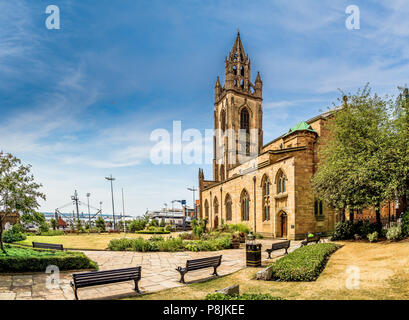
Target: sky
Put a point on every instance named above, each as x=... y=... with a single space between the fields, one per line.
x=80 y=103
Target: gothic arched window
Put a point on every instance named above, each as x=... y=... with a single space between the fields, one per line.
x=266 y=198
x=223 y=120
x=245 y=120
x=281 y=182
x=245 y=125
x=318 y=209
x=206 y=209
x=216 y=206
x=245 y=206
x=228 y=204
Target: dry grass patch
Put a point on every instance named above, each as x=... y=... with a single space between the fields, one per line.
x=93 y=241
x=384 y=274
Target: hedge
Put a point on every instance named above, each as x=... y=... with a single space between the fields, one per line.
x=303 y=264
x=19 y=259
x=168 y=245
x=152 y=232
x=244 y=296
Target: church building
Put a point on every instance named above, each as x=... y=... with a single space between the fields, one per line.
x=266 y=186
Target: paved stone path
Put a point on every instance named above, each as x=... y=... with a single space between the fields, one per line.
x=158 y=273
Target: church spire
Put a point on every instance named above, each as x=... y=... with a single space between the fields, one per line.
x=237 y=52
x=237 y=68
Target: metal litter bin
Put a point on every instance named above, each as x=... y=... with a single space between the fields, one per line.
x=253 y=254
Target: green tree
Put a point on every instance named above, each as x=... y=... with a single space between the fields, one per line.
x=18 y=191
x=400 y=150
x=354 y=170
x=54 y=224
x=100 y=224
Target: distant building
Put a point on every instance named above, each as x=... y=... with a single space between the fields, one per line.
x=10 y=218
x=170 y=216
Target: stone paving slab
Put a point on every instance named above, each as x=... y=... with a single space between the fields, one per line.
x=158 y=273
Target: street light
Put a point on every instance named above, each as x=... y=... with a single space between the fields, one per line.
x=89 y=214
x=110 y=178
x=194 y=202
x=123 y=210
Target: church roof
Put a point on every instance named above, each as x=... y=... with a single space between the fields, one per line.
x=301 y=126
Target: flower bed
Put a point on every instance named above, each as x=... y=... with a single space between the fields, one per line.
x=168 y=245
x=19 y=259
x=303 y=264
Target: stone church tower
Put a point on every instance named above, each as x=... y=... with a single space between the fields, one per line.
x=237 y=107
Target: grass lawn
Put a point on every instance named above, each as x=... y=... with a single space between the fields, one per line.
x=384 y=274
x=85 y=241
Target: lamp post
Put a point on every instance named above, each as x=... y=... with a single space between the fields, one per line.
x=193 y=189
x=89 y=213
x=123 y=210
x=110 y=178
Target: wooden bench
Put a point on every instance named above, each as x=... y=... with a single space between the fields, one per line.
x=278 y=246
x=197 y=264
x=48 y=246
x=95 y=278
x=316 y=238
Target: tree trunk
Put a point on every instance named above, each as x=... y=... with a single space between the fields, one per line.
x=343 y=215
x=378 y=218
x=404 y=202
x=1 y=236
x=351 y=215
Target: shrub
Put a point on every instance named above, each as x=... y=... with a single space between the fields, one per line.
x=170 y=228
x=198 y=231
x=154 y=223
x=343 y=231
x=137 y=225
x=244 y=296
x=372 y=237
x=405 y=224
x=51 y=233
x=394 y=233
x=168 y=245
x=100 y=224
x=18 y=259
x=303 y=264
x=153 y=230
x=240 y=227
x=14 y=234
x=43 y=227
x=186 y=236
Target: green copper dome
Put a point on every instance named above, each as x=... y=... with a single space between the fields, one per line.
x=301 y=126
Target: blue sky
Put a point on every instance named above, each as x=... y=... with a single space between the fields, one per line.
x=80 y=103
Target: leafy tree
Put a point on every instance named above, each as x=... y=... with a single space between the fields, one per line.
x=405 y=224
x=355 y=161
x=54 y=224
x=137 y=224
x=100 y=224
x=18 y=191
x=400 y=150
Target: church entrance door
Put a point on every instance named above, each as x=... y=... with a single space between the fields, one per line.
x=284 y=225
x=216 y=222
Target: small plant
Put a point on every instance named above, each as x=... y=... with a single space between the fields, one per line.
x=14 y=234
x=394 y=233
x=405 y=224
x=241 y=227
x=372 y=237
